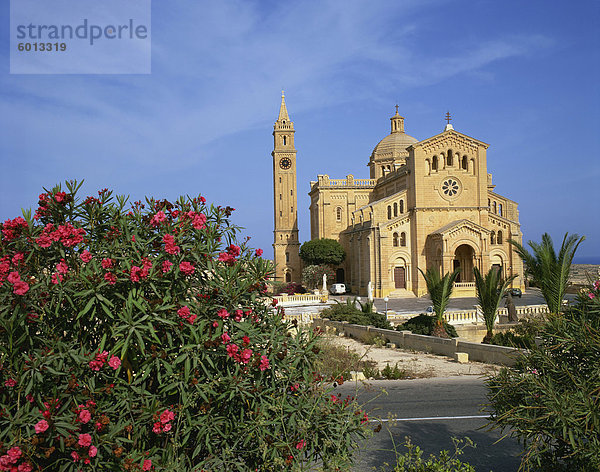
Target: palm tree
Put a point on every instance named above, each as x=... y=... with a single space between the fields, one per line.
x=490 y=289
x=548 y=270
x=440 y=289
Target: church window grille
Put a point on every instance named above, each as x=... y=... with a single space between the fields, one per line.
x=279 y=196
x=434 y=163
x=499 y=239
x=401 y=206
x=449 y=159
x=280 y=213
x=500 y=209
x=395 y=239
x=493 y=238
x=284 y=140
x=291 y=192
x=291 y=209
x=464 y=164
x=403 y=239
x=450 y=187
x=338 y=214
x=395 y=209
x=287 y=257
x=494 y=207
x=389 y=212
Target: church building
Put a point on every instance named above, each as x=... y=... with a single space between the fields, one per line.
x=428 y=203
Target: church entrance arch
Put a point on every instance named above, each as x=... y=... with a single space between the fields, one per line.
x=464 y=258
x=288 y=277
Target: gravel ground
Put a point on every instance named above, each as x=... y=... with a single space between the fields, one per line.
x=419 y=364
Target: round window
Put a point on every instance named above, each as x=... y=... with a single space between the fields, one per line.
x=450 y=187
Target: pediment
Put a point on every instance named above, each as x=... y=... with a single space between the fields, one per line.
x=450 y=140
x=397 y=222
x=459 y=227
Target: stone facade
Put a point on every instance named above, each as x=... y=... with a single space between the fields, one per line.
x=428 y=203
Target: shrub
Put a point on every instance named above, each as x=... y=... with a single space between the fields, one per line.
x=393 y=373
x=414 y=461
x=511 y=339
x=293 y=287
x=348 y=312
x=312 y=275
x=549 y=400
x=137 y=339
x=425 y=324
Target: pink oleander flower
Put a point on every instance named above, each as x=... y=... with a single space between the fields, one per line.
x=13 y=277
x=300 y=445
x=25 y=467
x=75 y=456
x=107 y=263
x=232 y=350
x=85 y=416
x=86 y=256
x=238 y=315
x=158 y=218
x=20 y=288
x=167 y=416
x=134 y=276
x=85 y=440
x=591 y=295
x=10 y=383
x=110 y=278
x=184 y=312
x=223 y=313
x=57 y=278
x=157 y=427
x=187 y=268
x=14 y=454
x=41 y=426
x=225 y=338
x=62 y=267
x=166 y=266
x=264 y=363
x=191 y=319
x=245 y=356
x=114 y=362
x=245 y=340
x=258 y=252
x=170 y=246
x=99 y=360
x=92 y=451
x=147 y=464
x=167 y=427
x=18 y=258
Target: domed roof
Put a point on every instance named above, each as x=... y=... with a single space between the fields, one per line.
x=395 y=142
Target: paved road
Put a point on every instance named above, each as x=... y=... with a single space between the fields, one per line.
x=415 y=305
x=431 y=412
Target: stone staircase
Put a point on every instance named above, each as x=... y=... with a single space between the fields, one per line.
x=402 y=293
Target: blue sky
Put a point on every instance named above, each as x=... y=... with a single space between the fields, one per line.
x=521 y=76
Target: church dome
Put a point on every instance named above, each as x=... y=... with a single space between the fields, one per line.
x=396 y=142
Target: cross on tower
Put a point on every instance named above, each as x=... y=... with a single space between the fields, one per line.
x=396 y=109
x=448 y=118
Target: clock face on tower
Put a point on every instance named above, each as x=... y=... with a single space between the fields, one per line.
x=285 y=163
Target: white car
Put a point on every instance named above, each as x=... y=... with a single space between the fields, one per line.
x=337 y=289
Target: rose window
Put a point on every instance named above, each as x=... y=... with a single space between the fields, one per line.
x=450 y=187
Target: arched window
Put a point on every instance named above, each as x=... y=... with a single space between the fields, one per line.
x=489 y=202
x=493 y=238
x=499 y=240
x=338 y=213
x=287 y=257
x=500 y=209
x=464 y=163
x=401 y=206
x=389 y=212
x=449 y=159
x=288 y=277
x=427 y=166
x=395 y=239
x=284 y=140
x=403 y=239
x=434 y=163
x=494 y=207
x=395 y=209
x=473 y=166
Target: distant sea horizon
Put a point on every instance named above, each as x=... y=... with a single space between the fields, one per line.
x=587 y=260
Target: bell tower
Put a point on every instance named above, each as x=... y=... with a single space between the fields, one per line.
x=286 y=245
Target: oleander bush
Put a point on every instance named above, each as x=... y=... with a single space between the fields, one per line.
x=550 y=399
x=136 y=338
x=349 y=312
